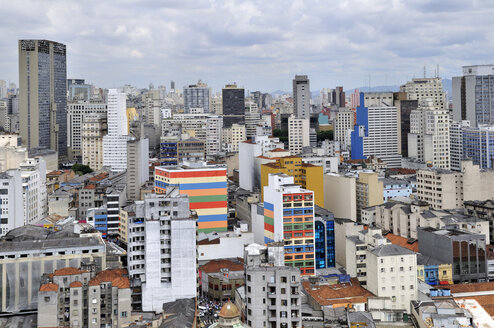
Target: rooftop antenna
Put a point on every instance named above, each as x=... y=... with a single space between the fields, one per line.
x=425 y=72
x=437 y=71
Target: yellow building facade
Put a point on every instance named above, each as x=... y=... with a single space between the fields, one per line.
x=306 y=175
x=131 y=116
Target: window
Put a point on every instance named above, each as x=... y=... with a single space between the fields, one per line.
x=383 y=270
x=123 y=314
x=411 y=286
x=95 y=321
x=47 y=299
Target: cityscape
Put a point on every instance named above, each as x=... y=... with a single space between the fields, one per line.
x=206 y=203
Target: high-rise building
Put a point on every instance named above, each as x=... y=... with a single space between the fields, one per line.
x=137 y=160
x=162 y=251
x=298 y=134
x=289 y=217
x=421 y=88
x=233 y=99
x=369 y=191
x=94 y=128
x=456 y=143
x=214 y=135
x=207 y=189
x=472 y=95
x=152 y=109
x=478 y=145
x=33 y=174
x=301 y=96
x=232 y=137
x=252 y=119
x=405 y=108
x=43 y=94
x=340 y=195
x=429 y=138
x=376 y=131
x=77 y=111
x=324 y=238
x=78 y=90
x=272 y=290
x=343 y=122
x=115 y=142
x=197 y=96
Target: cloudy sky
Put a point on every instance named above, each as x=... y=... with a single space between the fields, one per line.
x=259 y=44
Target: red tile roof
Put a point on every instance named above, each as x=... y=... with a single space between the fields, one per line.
x=90 y=186
x=276 y=150
x=49 y=287
x=403 y=242
x=216 y=266
x=68 y=271
x=342 y=293
x=75 y=284
x=115 y=276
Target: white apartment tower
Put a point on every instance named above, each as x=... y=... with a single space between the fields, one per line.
x=33 y=173
x=115 y=142
x=422 y=88
x=233 y=136
x=162 y=249
x=456 y=143
x=298 y=134
x=252 y=119
x=342 y=123
x=214 y=131
x=429 y=138
x=301 y=96
x=94 y=128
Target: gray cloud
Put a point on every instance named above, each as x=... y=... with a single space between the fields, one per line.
x=259 y=44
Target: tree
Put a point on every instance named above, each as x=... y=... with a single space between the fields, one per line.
x=281 y=134
x=81 y=169
x=325 y=135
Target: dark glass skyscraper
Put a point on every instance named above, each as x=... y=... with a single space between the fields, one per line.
x=43 y=94
x=233 y=105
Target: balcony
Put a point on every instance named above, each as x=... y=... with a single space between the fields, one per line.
x=272 y=318
x=272 y=307
x=271 y=295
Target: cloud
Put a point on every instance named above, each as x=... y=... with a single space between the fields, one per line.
x=259 y=44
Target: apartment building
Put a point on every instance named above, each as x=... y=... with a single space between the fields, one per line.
x=94 y=128
x=340 y=195
x=298 y=134
x=115 y=142
x=214 y=135
x=79 y=298
x=456 y=143
x=478 y=145
x=252 y=119
x=343 y=122
x=11 y=201
x=444 y=189
x=289 y=217
x=392 y=273
x=272 y=290
x=233 y=136
x=421 y=88
x=161 y=250
x=369 y=191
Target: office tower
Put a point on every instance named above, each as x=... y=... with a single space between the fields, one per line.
x=472 y=95
x=12 y=206
x=94 y=300
x=115 y=142
x=289 y=217
x=78 y=90
x=137 y=160
x=343 y=122
x=466 y=251
x=12 y=122
x=162 y=250
x=233 y=99
x=152 y=109
x=43 y=95
x=197 y=96
x=456 y=143
x=77 y=111
x=308 y=176
x=339 y=97
x=257 y=98
x=94 y=128
x=29 y=252
x=252 y=119
x=324 y=238
x=232 y=137
x=421 y=88
x=301 y=96
x=429 y=139
x=298 y=134
x=206 y=187
x=478 y=145
x=217 y=105
x=272 y=290
x=3 y=89
x=214 y=135
x=376 y=131
x=172 y=86
x=405 y=108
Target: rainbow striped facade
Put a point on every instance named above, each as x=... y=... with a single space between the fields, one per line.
x=289 y=217
x=207 y=191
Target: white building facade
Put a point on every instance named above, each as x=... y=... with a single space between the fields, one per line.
x=115 y=142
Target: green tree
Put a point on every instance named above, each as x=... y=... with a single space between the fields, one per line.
x=81 y=169
x=325 y=135
x=282 y=134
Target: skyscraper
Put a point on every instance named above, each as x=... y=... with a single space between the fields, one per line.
x=115 y=142
x=197 y=96
x=472 y=95
x=301 y=96
x=431 y=87
x=43 y=94
x=233 y=105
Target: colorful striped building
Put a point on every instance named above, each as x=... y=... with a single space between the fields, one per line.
x=207 y=190
x=289 y=217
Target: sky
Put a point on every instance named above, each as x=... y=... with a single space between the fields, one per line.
x=260 y=45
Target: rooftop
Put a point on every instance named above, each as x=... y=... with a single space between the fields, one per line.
x=49 y=287
x=341 y=293
x=217 y=265
x=391 y=250
x=117 y=277
x=409 y=243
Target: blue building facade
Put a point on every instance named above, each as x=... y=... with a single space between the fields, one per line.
x=169 y=153
x=478 y=145
x=361 y=130
x=396 y=188
x=324 y=239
